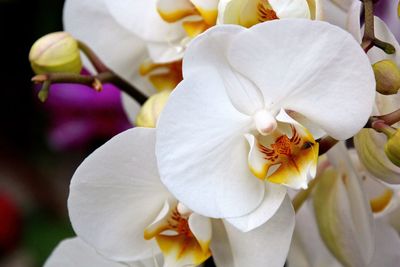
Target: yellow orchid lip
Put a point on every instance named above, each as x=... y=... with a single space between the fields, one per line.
x=265 y=12
x=192 y=27
x=382 y=201
x=163 y=76
x=286 y=160
x=176 y=240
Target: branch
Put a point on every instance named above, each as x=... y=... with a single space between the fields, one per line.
x=96 y=82
x=369 y=40
x=93 y=58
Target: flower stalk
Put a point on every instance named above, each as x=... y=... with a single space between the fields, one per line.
x=105 y=75
x=369 y=39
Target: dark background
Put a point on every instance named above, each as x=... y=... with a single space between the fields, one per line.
x=33 y=177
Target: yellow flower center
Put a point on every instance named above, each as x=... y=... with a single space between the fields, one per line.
x=287 y=156
x=176 y=241
x=163 y=76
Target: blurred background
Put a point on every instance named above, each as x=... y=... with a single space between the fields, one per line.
x=41 y=145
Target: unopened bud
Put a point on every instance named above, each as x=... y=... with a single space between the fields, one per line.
x=151 y=109
x=387 y=76
x=392 y=148
x=55 y=52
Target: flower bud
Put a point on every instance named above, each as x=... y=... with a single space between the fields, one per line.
x=55 y=52
x=151 y=109
x=369 y=145
x=343 y=213
x=392 y=148
x=387 y=76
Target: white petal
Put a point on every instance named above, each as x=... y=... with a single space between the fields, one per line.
x=308 y=243
x=174 y=8
x=339 y=195
x=273 y=198
x=142 y=19
x=343 y=4
x=201 y=229
x=131 y=107
x=290 y=8
x=164 y=52
x=84 y=18
x=206 y=4
x=334 y=14
x=353 y=20
x=314 y=129
x=202 y=153
x=267 y=245
x=387 y=248
x=116 y=193
x=291 y=65
x=209 y=49
x=383 y=33
x=75 y=252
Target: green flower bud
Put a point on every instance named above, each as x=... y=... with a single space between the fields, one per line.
x=392 y=148
x=151 y=109
x=369 y=145
x=343 y=214
x=387 y=76
x=55 y=52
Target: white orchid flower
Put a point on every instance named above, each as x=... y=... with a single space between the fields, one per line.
x=224 y=141
x=165 y=25
x=368 y=142
x=343 y=212
x=74 y=252
x=342 y=217
x=383 y=197
x=119 y=206
x=248 y=13
x=308 y=249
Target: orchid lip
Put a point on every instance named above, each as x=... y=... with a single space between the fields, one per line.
x=265 y=122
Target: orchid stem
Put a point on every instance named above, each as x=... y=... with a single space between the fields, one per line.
x=93 y=58
x=326 y=143
x=369 y=40
x=104 y=75
x=94 y=82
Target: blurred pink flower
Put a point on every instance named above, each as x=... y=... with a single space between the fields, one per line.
x=387 y=10
x=80 y=116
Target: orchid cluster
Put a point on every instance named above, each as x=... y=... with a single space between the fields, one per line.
x=241 y=110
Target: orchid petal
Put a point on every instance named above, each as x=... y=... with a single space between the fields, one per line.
x=387 y=246
x=307 y=245
x=116 y=193
x=210 y=49
x=201 y=228
x=354 y=22
x=342 y=211
x=212 y=177
x=307 y=86
x=131 y=107
x=266 y=245
x=273 y=198
x=142 y=19
x=74 y=252
x=208 y=10
x=334 y=14
x=290 y=8
x=83 y=18
x=174 y=10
